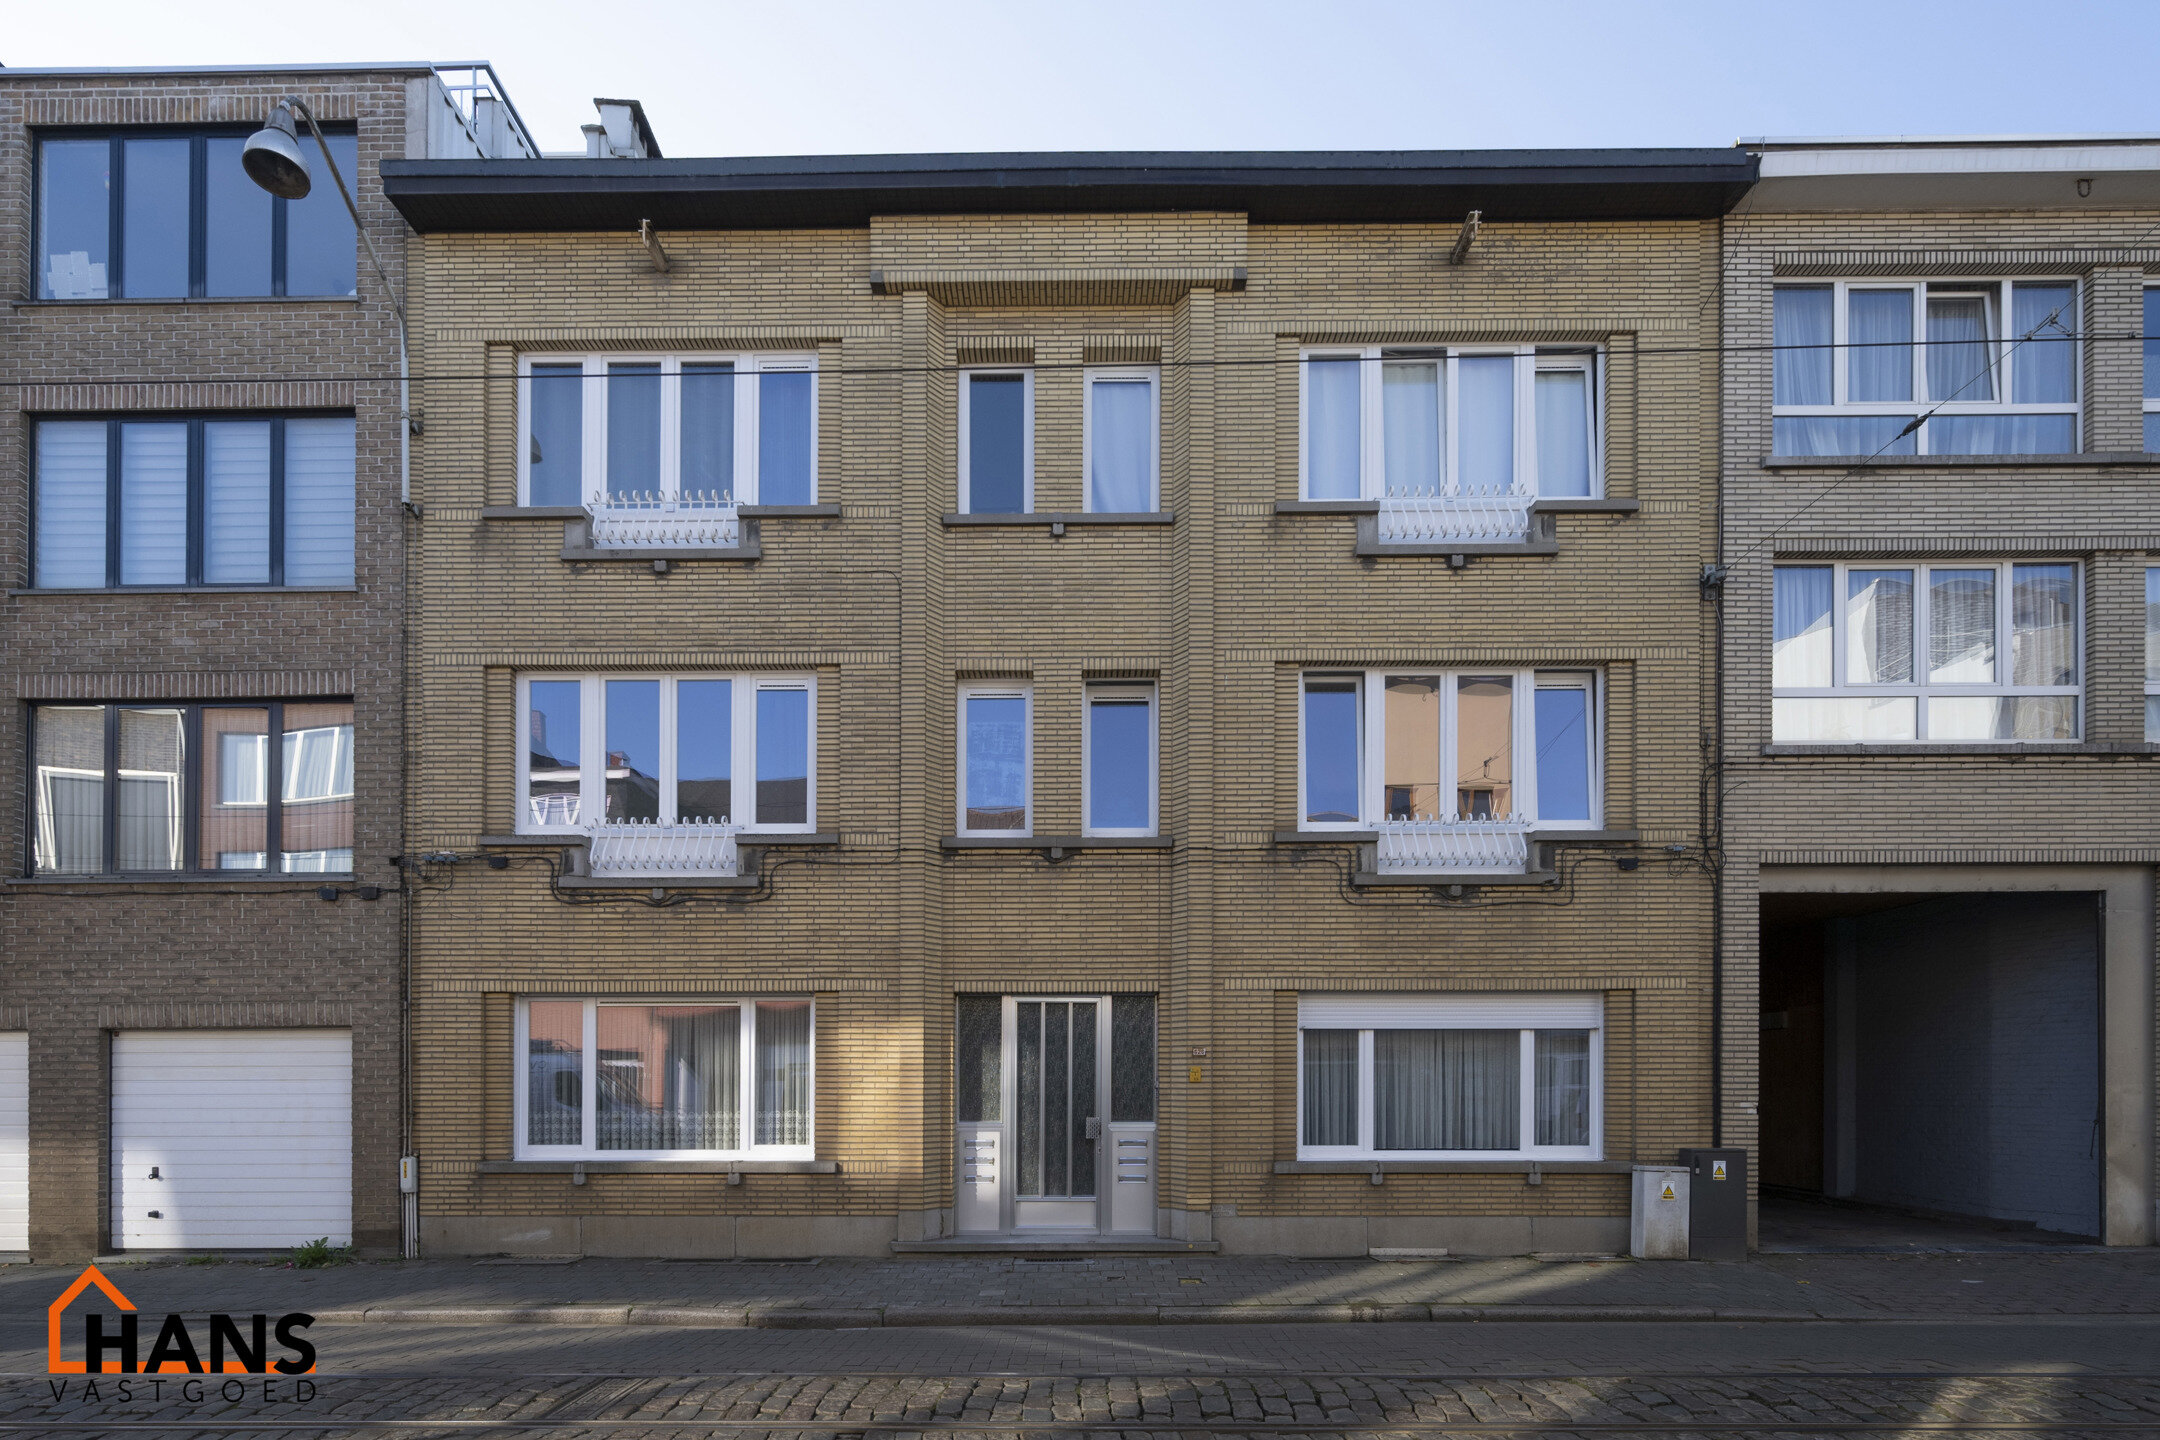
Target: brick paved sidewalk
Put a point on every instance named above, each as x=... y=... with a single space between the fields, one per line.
x=1128 y=1290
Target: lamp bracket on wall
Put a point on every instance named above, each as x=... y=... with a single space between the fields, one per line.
x=1461 y=252
x=650 y=239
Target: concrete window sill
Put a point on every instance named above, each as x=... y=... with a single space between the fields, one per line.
x=188 y=301
x=1056 y=842
x=2021 y=749
x=660 y=1167
x=813 y=837
x=1057 y=519
x=197 y=590
x=308 y=881
x=1453 y=1167
x=2089 y=460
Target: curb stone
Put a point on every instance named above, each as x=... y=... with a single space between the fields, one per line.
x=920 y=1316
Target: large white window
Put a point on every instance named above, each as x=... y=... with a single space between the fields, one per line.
x=996 y=779
x=691 y=1079
x=1857 y=361
x=1450 y=1077
x=1446 y=746
x=2152 y=656
x=666 y=750
x=1117 y=760
x=1883 y=651
x=1119 y=437
x=997 y=442
x=2152 y=370
x=701 y=428
x=1402 y=422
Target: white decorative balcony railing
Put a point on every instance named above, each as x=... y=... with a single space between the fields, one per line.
x=554 y=810
x=647 y=520
x=1432 y=518
x=1501 y=846
x=663 y=848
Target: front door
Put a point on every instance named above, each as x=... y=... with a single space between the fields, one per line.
x=1056 y=1110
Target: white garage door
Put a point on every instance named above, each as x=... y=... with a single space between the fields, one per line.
x=234 y=1138
x=14 y=1141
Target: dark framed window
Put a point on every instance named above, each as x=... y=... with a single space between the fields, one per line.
x=164 y=214
x=159 y=789
x=166 y=500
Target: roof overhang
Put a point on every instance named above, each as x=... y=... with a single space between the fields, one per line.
x=2005 y=174
x=797 y=192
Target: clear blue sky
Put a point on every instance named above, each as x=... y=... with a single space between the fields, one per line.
x=765 y=77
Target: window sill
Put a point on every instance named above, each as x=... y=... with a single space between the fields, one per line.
x=1327 y=837
x=1558 y=505
x=2018 y=747
x=1056 y=842
x=660 y=1167
x=532 y=512
x=1584 y=837
x=1327 y=507
x=186 y=300
x=196 y=590
x=1370 y=879
x=744 y=837
x=1453 y=1167
x=309 y=881
x=1059 y=518
x=750 y=549
x=2091 y=459
x=788 y=512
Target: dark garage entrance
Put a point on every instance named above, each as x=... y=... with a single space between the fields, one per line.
x=1930 y=1070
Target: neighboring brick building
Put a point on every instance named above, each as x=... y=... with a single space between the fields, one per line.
x=204 y=546
x=1942 y=813
x=1102 y=701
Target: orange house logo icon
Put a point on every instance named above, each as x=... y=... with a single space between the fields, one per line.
x=231 y=1350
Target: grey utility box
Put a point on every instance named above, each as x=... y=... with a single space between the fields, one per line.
x=1717 y=1203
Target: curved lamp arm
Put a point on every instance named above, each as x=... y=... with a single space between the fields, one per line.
x=324 y=145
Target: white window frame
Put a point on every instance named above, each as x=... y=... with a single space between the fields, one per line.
x=745 y=1088
x=340 y=737
x=1529 y=359
x=1151 y=376
x=2152 y=681
x=1025 y=693
x=1998 y=338
x=592 y=734
x=1119 y=692
x=749 y=365
x=1372 y=738
x=1840 y=688
x=2145 y=386
x=1461 y=1010
x=968 y=374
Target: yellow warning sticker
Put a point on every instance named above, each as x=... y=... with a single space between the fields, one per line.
x=1669 y=1195
x=1717 y=1169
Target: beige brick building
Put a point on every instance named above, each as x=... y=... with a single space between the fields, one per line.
x=1939 y=832
x=1200 y=659
x=200 y=1035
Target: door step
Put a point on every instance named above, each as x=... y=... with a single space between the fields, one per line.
x=1046 y=1245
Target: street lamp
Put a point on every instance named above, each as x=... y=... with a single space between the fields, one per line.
x=274 y=160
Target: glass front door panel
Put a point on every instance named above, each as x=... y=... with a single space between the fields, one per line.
x=1057 y=1098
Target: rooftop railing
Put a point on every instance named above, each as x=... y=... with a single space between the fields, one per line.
x=649 y=520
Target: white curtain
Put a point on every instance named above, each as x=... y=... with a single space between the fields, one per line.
x=2045 y=367
x=1843 y=435
x=236 y=502
x=1879 y=330
x=153 y=504
x=1563 y=432
x=1961 y=625
x=668 y=1077
x=2002 y=434
x=2043 y=625
x=1332 y=445
x=1801 y=330
x=783 y=1072
x=1331 y=1087
x=1959 y=363
x=1120 y=451
x=1447 y=1089
x=70 y=503
x=1878 y=626
x=1800 y=619
x=1485 y=425
x=1410 y=426
x=554 y=1072
x=1561 y=1102
x=319 y=502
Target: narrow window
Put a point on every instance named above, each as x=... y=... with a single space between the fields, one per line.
x=783 y=756
x=154 y=504
x=668 y=1077
x=555 y=446
x=149 y=821
x=70 y=789
x=236 y=788
x=238 y=259
x=1960 y=348
x=1564 y=726
x=321 y=247
x=633 y=750
x=1334 y=423
x=1800 y=651
x=1484 y=747
x=1410 y=714
x=995 y=454
x=2152 y=656
x=1333 y=753
x=1132 y=1058
x=320 y=495
x=783 y=1072
x=154 y=216
x=236 y=502
x=316 y=789
x=2152 y=371
x=704 y=750
x=1563 y=431
x=1879 y=334
x=979 y=1058
x=1120 y=760
x=1485 y=424
x=1411 y=426
x=1878 y=627
x=554 y=752
x=708 y=431
x=74 y=219
x=1330 y=1087
x=786 y=437
x=70 y=501
x=994 y=762
x=1120 y=443
x=1801 y=336
x=1563 y=1087
x=555 y=1072
x=633 y=429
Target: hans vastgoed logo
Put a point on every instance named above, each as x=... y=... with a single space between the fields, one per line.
x=221 y=1344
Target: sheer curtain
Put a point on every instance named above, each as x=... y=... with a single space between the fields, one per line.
x=633 y=428
x=1562 y=1100
x=2043 y=625
x=1331 y=1087
x=1563 y=432
x=1878 y=626
x=554 y=1072
x=1801 y=317
x=1447 y=1089
x=1410 y=425
x=784 y=440
x=1332 y=448
x=1485 y=421
x=783 y=1072
x=1800 y=626
x=1961 y=625
x=1879 y=332
x=668 y=1077
x=1960 y=365
x=1119 y=451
